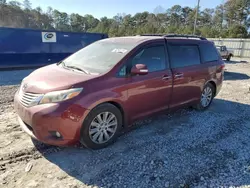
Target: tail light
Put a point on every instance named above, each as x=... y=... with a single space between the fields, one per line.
x=222 y=67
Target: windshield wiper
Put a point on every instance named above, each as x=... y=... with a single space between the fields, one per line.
x=77 y=68
x=60 y=63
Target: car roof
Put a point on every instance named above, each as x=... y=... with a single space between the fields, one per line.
x=131 y=39
x=140 y=39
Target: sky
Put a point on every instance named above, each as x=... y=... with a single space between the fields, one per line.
x=110 y=8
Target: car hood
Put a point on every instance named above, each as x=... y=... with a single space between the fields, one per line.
x=53 y=78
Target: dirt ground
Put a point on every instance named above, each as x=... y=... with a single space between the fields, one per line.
x=183 y=149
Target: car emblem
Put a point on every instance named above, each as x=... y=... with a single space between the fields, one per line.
x=25 y=86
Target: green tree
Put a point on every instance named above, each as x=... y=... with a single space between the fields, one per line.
x=206 y=17
x=237 y=31
x=78 y=23
x=61 y=21
x=218 y=17
x=237 y=12
x=104 y=25
x=175 y=15
x=3 y=2
x=187 y=16
x=48 y=19
x=92 y=22
x=12 y=15
x=27 y=4
x=15 y=4
x=226 y=20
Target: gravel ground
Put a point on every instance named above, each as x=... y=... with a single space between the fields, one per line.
x=183 y=149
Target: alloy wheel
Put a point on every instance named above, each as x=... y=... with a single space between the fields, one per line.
x=206 y=97
x=103 y=127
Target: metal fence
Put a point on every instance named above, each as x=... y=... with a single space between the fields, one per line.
x=240 y=47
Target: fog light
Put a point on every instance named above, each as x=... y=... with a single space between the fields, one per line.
x=55 y=134
x=58 y=134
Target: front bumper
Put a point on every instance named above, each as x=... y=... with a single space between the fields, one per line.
x=25 y=127
x=41 y=120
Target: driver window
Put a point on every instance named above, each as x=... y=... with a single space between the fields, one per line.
x=154 y=57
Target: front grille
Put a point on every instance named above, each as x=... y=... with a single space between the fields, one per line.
x=29 y=99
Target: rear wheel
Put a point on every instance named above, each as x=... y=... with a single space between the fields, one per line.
x=206 y=97
x=101 y=127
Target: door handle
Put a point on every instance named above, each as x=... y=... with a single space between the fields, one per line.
x=166 y=77
x=178 y=75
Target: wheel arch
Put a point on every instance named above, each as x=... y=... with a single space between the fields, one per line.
x=117 y=104
x=213 y=84
x=86 y=140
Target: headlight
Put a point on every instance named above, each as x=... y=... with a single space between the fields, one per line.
x=57 y=96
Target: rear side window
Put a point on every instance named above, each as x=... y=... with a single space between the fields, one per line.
x=184 y=55
x=208 y=52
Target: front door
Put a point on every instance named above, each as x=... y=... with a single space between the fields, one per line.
x=152 y=92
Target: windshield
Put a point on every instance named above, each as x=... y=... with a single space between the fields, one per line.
x=99 y=57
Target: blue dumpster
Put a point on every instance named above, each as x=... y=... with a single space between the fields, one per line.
x=23 y=48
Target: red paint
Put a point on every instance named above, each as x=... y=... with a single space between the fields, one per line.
x=138 y=96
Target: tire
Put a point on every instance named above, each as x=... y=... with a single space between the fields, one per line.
x=206 y=92
x=95 y=131
x=229 y=57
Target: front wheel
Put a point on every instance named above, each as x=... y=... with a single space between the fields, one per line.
x=229 y=57
x=206 y=97
x=101 y=127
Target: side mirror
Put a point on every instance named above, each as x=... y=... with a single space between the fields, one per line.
x=139 y=69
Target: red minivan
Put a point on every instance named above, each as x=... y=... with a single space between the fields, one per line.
x=93 y=94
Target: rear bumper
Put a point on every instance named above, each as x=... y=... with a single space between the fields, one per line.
x=218 y=89
x=219 y=83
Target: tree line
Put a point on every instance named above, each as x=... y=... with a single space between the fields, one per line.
x=231 y=19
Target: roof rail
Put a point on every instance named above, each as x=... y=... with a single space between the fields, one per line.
x=184 y=36
x=152 y=35
x=175 y=35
